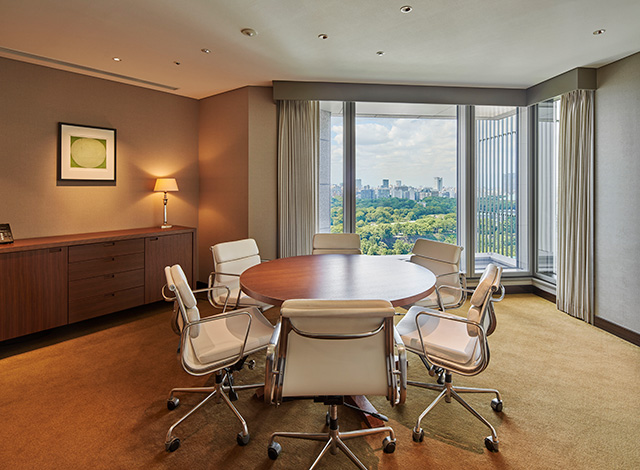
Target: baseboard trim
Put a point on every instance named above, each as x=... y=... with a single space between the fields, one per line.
x=544 y=294
x=617 y=330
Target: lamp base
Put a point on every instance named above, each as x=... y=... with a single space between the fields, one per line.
x=166 y=226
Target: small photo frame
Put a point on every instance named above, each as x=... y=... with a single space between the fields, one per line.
x=86 y=153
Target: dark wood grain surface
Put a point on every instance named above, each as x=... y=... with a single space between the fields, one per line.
x=338 y=277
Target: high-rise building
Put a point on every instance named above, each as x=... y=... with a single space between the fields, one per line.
x=385 y=183
x=358 y=183
x=438 y=183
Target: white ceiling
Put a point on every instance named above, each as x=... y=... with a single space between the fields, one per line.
x=497 y=43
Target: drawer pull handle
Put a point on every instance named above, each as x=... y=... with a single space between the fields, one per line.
x=109 y=244
x=154 y=239
x=55 y=250
x=111 y=294
x=109 y=259
x=109 y=276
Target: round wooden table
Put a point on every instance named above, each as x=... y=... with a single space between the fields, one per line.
x=338 y=277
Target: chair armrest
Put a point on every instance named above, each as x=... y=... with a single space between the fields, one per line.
x=222 y=363
x=401 y=352
x=271 y=370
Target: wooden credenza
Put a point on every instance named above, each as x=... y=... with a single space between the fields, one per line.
x=52 y=281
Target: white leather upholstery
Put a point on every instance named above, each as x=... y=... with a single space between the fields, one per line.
x=234 y=258
x=443 y=260
x=217 y=339
x=336 y=243
x=454 y=345
x=316 y=367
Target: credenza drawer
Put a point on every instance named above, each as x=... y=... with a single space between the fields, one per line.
x=105 y=250
x=107 y=265
x=96 y=305
x=105 y=284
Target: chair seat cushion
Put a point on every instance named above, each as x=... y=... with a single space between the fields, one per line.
x=221 y=340
x=245 y=300
x=447 y=340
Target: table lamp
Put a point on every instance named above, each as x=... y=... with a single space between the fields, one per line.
x=165 y=185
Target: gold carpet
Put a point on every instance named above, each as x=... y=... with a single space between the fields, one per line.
x=93 y=396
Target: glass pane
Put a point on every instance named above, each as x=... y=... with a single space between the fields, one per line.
x=406 y=186
x=330 y=210
x=547 y=183
x=501 y=207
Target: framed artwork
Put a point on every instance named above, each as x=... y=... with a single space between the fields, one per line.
x=86 y=153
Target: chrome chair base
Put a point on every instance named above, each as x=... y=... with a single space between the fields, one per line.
x=335 y=439
x=219 y=391
x=448 y=391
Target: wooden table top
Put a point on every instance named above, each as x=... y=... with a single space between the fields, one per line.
x=338 y=277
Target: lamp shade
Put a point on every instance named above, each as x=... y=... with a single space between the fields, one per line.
x=166 y=184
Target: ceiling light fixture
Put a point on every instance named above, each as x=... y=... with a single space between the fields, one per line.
x=117 y=59
x=406 y=9
x=380 y=53
x=249 y=32
x=176 y=62
x=323 y=36
x=598 y=32
x=205 y=50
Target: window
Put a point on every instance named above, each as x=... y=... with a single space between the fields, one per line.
x=331 y=161
x=546 y=188
x=501 y=196
x=405 y=175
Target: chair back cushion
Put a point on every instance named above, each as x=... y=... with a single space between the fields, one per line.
x=336 y=243
x=487 y=285
x=234 y=258
x=189 y=301
x=444 y=252
x=317 y=367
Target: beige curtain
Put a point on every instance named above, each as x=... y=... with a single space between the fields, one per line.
x=575 y=206
x=298 y=150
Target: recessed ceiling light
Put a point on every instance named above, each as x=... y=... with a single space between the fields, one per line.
x=380 y=53
x=598 y=32
x=406 y=9
x=176 y=62
x=117 y=59
x=323 y=36
x=205 y=50
x=249 y=32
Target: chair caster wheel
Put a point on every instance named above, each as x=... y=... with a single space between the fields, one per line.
x=327 y=419
x=388 y=445
x=418 y=435
x=243 y=440
x=490 y=444
x=172 y=403
x=441 y=379
x=274 y=450
x=172 y=445
x=251 y=364
x=496 y=405
x=233 y=396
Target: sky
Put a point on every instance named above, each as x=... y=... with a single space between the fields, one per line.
x=411 y=150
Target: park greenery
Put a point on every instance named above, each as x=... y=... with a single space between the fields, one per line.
x=392 y=225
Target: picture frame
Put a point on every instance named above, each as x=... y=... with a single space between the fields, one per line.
x=86 y=153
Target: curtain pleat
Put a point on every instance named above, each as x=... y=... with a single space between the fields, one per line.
x=298 y=153
x=574 y=293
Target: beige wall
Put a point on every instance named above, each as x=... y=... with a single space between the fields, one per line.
x=263 y=170
x=157 y=135
x=237 y=171
x=617 y=192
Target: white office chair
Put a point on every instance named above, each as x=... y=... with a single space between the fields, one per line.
x=336 y=243
x=443 y=260
x=218 y=345
x=457 y=345
x=230 y=260
x=331 y=348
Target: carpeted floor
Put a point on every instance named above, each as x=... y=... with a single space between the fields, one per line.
x=93 y=396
